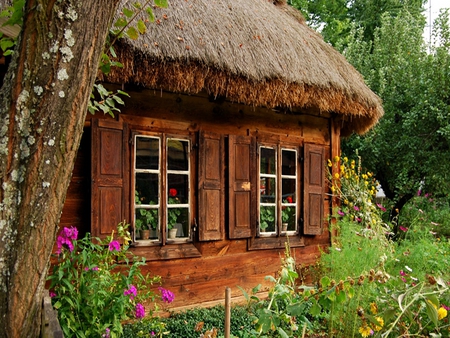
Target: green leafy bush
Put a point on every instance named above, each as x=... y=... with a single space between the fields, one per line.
x=95 y=285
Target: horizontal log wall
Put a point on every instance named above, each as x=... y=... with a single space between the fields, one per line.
x=227 y=263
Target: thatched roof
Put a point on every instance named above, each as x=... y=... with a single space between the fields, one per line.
x=249 y=51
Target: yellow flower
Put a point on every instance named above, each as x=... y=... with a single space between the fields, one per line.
x=373 y=308
x=381 y=322
x=333 y=189
x=329 y=163
x=345 y=159
x=342 y=169
x=365 y=331
x=336 y=175
x=336 y=159
x=442 y=313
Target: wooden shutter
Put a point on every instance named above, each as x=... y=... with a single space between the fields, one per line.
x=241 y=188
x=211 y=199
x=314 y=189
x=109 y=196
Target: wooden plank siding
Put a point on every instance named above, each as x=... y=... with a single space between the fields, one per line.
x=198 y=272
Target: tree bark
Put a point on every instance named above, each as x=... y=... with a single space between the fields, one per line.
x=43 y=105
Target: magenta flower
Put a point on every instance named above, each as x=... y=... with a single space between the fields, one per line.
x=66 y=238
x=114 y=246
x=381 y=207
x=140 y=311
x=106 y=334
x=402 y=273
x=402 y=228
x=356 y=208
x=419 y=192
x=132 y=291
x=95 y=268
x=341 y=213
x=52 y=294
x=166 y=295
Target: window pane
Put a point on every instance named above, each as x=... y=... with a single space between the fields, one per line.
x=177 y=154
x=288 y=190
x=288 y=162
x=288 y=218
x=147 y=153
x=178 y=222
x=267 y=218
x=268 y=190
x=267 y=161
x=147 y=187
x=147 y=223
x=178 y=186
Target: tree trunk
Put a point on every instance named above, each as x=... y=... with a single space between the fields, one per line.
x=43 y=107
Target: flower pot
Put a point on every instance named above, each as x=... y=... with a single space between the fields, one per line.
x=284 y=226
x=145 y=234
x=173 y=233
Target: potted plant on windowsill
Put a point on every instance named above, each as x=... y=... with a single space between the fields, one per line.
x=146 y=219
x=266 y=217
x=287 y=214
x=172 y=213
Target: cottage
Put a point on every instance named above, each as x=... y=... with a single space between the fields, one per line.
x=220 y=151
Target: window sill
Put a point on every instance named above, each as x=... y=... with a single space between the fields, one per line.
x=153 y=251
x=266 y=242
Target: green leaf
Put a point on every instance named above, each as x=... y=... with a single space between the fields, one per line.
x=432 y=313
x=162 y=3
x=151 y=16
x=282 y=333
x=57 y=305
x=341 y=297
x=118 y=99
x=132 y=33
x=127 y=12
x=121 y=22
x=325 y=281
x=142 y=28
x=315 y=310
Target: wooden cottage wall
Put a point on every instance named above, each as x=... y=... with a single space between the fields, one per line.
x=224 y=262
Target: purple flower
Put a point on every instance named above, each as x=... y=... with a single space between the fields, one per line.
x=381 y=207
x=166 y=295
x=341 y=213
x=65 y=238
x=356 y=208
x=419 y=192
x=95 y=268
x=114 y=246
x=52 y=294
x=106 y=334
x=402 y=273
x=86 y=269
x=132 y=291
x=402 y=228
x=152 y=333
x=140 y=311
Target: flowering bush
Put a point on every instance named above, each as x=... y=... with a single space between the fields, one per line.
x=95 y=285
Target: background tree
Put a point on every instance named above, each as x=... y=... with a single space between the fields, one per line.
x=44 y=101
x=383 y=39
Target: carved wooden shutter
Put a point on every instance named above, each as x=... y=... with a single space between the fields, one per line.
x=109 y=195
x=211 y=199
x=314 y=189
x=241 y=187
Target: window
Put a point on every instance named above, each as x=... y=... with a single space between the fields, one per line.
x=277 y=194
x=162 y=189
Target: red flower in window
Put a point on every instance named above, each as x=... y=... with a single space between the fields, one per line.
x=172 y=192
x=289 y=199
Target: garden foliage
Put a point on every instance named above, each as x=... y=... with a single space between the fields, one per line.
x=97 y=284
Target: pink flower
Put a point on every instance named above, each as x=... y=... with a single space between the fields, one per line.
x=66 y=238
x=114 y=246
x=140 y=311
x=381 y=207
x=341 y=213
x=172 y=192
x=404 y=279
x=402 y=228
x=402 y=273
x=166 y=295
x=52 y=294
x=419 y=192
x=132 y=291
x=356 y=208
